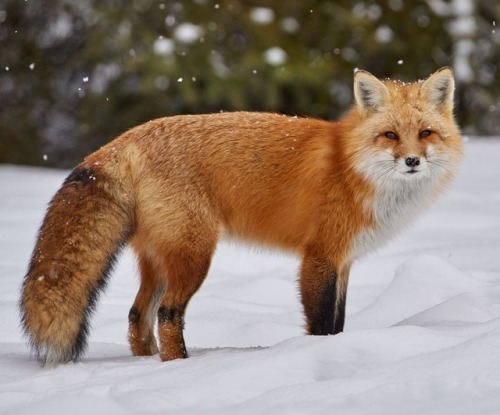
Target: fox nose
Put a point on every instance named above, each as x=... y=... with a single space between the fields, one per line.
x=412 y=161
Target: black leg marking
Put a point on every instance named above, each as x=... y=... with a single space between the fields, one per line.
x=323 y=317
x=340 y=313
x=172 y=315
x=134 y=316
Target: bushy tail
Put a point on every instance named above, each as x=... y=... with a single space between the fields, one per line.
x=89 y=219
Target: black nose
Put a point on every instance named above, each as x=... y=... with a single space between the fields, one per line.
x=412 y=161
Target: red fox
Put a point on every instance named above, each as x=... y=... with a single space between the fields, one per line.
x=326 y=191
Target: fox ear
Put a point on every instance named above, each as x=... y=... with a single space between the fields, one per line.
x=369 y=92
x=438 y=89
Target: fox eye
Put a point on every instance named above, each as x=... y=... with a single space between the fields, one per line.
x=391 y=135
x=425 y=133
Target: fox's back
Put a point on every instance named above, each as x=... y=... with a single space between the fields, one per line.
x=254 y=175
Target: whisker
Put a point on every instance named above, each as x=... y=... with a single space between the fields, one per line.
x=443 y=164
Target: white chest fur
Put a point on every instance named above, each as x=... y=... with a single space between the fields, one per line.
x=394 y=207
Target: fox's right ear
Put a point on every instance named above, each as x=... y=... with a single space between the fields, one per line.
x=369 y=92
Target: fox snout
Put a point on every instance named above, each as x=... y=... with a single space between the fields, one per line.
x=411 y=165
x=412 y=161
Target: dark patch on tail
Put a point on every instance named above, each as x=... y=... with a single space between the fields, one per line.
x=80 y=174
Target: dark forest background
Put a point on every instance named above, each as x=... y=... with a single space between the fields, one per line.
x=74 y=74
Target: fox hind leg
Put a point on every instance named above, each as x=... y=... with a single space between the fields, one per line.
x=142 y=315
x=185 y=275
x=186 y=272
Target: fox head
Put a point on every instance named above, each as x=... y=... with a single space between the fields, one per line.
x=405 y=131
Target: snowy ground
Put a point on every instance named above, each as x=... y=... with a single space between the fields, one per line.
x=422 y=333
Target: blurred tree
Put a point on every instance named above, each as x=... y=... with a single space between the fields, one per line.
x=39 y=47
x=75 y=74
x=479 y=92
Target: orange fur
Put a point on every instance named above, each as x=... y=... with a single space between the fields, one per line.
x=327 y=191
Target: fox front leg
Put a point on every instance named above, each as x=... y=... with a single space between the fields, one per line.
x=323 y=289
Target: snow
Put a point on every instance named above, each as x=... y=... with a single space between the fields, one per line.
x=61 y=27
x=422 y=330
x=384 y=34
x=290 y=25
x=262 y=15
x=163 y=46
x=188 y=33
x=275 y=56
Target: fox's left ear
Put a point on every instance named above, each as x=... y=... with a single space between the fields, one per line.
x=438 y=89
